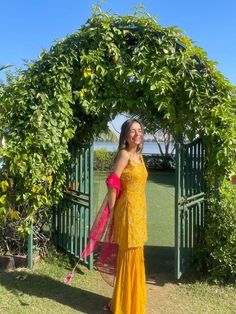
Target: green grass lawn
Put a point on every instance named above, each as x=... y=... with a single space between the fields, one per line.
x=42 y=290
x=160 y=205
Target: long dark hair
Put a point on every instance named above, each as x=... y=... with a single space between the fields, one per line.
x=125 y=128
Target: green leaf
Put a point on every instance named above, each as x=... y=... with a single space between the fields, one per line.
x=3 y=199
x=4 y=185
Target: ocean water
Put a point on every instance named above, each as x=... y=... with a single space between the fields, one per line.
x=148 y=148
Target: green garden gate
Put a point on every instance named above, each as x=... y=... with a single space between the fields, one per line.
x=73 y=215
x=73 y=219
x=190 y=204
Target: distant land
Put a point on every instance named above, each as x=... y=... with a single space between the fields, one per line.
x=150 y=147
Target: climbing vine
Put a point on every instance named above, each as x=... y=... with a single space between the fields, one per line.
x=112 y=64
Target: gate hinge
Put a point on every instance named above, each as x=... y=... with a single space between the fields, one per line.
x=183 y=200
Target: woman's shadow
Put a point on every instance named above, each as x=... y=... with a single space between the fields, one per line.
x=45 y=287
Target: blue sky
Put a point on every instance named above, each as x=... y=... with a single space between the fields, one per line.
x=28 y=26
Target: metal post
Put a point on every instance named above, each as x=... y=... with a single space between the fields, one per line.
x=177 y=220
x=90 y=197
x=30 y=246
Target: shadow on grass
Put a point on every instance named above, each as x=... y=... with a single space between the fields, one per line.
x=160 y=267
x=45 y=287
x=159 y=264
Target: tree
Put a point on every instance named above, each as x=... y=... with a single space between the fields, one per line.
x=108 y=136
x=163 y=136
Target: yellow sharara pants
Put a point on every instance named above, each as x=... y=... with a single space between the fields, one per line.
x=129 y=296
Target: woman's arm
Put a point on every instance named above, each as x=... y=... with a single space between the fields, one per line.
x=121 y=162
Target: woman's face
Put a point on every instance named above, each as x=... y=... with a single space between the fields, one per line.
x=135 y=135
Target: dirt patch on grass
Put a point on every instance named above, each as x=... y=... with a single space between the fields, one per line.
x=190 y=295
x=159 y=289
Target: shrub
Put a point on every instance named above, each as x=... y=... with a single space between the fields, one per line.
x=103 y=159
x=221 y=235
x=158 y=162
x=11 y=241
x=14 y=242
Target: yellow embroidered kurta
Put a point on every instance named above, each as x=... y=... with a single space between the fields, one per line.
x=130 y=228
x=130 y=233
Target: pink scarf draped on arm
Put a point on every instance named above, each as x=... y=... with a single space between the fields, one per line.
x=101 y=236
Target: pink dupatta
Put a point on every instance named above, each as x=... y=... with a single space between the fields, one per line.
x=101 y=236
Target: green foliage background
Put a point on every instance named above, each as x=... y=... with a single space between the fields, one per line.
x=221 y=235
x=112 y=64
x=103 y=160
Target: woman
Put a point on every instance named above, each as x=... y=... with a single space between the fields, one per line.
x=119 y=230
x=129 y=296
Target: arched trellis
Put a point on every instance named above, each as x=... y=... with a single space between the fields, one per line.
x=112 y=64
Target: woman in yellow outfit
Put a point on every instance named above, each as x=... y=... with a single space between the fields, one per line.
x=129 y=296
